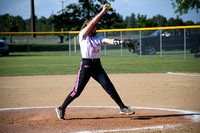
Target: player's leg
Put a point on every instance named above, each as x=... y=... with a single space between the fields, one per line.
x=101 y=77
x=81 y=81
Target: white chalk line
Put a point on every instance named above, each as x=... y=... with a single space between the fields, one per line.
x=184 y=74
x=133 y=129
x=194 y=118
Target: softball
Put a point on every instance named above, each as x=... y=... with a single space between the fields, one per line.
x=108 y=6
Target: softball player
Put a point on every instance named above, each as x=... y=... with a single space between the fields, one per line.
x=90 y=66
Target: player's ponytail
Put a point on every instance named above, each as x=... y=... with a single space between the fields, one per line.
x=84 y=25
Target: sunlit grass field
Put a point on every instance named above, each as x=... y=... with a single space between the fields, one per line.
x=60 y=63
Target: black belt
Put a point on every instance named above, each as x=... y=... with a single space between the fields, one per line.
x=90 y=59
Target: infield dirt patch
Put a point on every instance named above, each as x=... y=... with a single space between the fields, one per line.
x=82 y=119
x=139 y=90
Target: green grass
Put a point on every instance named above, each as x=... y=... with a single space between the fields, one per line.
x=38 y=46
x=59 y=63
x=149 y=65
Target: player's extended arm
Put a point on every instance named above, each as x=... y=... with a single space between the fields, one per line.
x=112 y=41
x=131 y=44
x=93 y=22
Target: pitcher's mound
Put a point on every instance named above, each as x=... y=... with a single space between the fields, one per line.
x=94 y=119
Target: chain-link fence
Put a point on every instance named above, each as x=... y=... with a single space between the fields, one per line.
x=162 y=42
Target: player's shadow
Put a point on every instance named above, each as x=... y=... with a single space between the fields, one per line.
x=148 y=117
x=132 y=117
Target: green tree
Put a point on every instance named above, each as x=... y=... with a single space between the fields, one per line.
x=189 y=22
x=10 y=24
x=28 y=25
x=7 y=23
x=43 y=24
x=74 y=15
x=2 y=22
x=20 y=23
x=160 y=20
x=183 y=6
x=175 y=22
x=111 y=21
x=63 y=21
x=130 y=22
x=151 y=23
x=198 y=23
x=141 y=21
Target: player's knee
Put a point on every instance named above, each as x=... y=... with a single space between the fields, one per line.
x=78 y=94
x=109 y=88
x=75 y=94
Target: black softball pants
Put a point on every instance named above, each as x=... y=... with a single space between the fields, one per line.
x=92 y=68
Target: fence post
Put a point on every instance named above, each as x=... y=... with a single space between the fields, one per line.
x=28 y=44
x=75 y=44
x=104 y=45
x=140 y=43
x=160 y=43
x=185 y=48
x=69 y=45
x=121 y=45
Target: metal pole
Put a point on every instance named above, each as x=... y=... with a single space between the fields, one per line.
x=121 y=45
x=69 y=45
x=33 y=18
x=52 y=26
x=185 y=48
x=28 y=45
x=160 y=43
x=105 y=45
x=140 y=43
x=75 y=44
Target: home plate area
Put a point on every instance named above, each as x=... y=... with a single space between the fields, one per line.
x=92 y=119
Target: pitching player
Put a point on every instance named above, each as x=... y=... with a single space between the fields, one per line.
x=90 y=66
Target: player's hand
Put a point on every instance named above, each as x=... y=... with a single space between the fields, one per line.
x=105 y=8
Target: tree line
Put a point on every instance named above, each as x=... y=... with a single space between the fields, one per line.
x=73 y=16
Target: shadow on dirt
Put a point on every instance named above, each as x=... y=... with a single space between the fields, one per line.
x=148 y=117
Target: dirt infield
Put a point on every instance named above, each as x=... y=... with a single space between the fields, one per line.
x=173 y=91
x=90 y=119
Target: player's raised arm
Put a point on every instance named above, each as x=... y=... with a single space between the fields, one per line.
x=93 y=22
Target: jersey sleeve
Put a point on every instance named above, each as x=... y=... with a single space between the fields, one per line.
x=81 y=36
x=102 y=39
